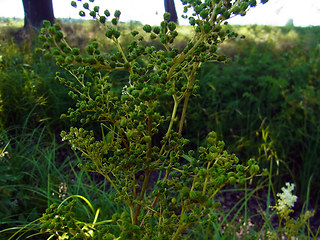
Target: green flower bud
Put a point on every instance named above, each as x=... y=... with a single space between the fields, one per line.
x=38 y=50
x=46 y=23
x=174 y=52
x=86 y=6
x=226 y=14
x=206 y=27
x=210 y=157
x=46 y=46
x=117 y=34
x=117 y=13
x=47 y=55
x=93 y=14
x=192 y=21
x=204 y=13
x=134 y=33
x=251 y=161
x=265 y=172
x=135 y=93
x=211 y=140
x=147 y=139
x=153 y=36
x=96 y=9
x=52 y=30
x=90 y=49
x=76 y=51
x=68 y=59
x=107 y=13
x=60 y=59
x=140 y=127
x=109 y=33
x=73 y=4
x=213 y=48
x=82 y=13
x=147 y=28
x=166 y=16
x=172 y=26
x=42 y=38
x=55 y=51
x=58 y=36
x=195 y=195
x=114 y=21
x=254 y=169
x=79 y=59
x=57 y=26
x=156 y=30
x=129 y=134
x=232 y=180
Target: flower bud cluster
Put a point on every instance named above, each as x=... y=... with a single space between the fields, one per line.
x=137 y=135
x=61 y=220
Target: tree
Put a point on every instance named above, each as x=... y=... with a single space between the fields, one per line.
x=170 y=8
x=35 y=11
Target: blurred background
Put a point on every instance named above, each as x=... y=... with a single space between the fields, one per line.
x=275 y=13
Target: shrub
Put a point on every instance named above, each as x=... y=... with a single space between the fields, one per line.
x=131 y=149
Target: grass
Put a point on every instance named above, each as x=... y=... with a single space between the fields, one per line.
x=37 y=172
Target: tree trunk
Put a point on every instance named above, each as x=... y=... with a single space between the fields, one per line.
x=170 y=8
x=35 y=11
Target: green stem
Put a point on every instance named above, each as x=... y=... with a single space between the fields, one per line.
x=187 y=96
x=206 y=181
x=181 y=227
x=143 y=190
x=183 y=114
x=173 y=116
x=181 y=57
x=178 y=232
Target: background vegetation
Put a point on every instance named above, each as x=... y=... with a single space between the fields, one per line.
x=264 y=104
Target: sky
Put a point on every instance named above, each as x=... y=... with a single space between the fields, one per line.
x=275 y=12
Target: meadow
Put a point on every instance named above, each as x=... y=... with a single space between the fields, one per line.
x=264 y=103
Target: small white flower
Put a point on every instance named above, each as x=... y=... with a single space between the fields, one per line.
x=286 y=198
